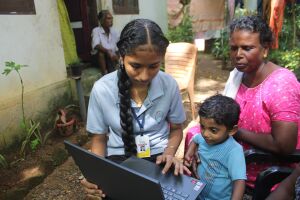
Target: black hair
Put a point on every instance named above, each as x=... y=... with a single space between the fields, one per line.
x=224 y=110
x=102 y=14
x=254 y=24
x=135 y=33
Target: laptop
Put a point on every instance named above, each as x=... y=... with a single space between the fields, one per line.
x=133 y=179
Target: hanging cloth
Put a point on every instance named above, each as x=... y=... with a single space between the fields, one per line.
x=231 y=8
x=239 y=3
x=175 y=12
x=276 y=19
x=67 y=34
x=207 y=15
x=266 y=10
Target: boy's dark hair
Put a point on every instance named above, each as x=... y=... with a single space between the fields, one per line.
x=224 y=110
x=254 y=24
x=135 y=33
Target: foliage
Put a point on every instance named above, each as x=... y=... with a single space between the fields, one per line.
x=288 y=54
x=32 y=129
x=12 y=66
x=291 y=26
x=289 y=59
x=183 y=32
x=220 y=48
x=34 y=144
x=3 y=162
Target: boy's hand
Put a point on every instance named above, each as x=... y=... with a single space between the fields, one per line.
x=192 y=160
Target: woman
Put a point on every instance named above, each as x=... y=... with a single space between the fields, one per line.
x=137 y=110
x=268 y=94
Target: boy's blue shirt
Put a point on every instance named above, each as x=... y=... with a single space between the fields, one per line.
x=220 y=165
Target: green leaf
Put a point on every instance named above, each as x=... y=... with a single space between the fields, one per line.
x=3 y=162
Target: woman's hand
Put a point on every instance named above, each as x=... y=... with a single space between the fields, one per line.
x=91 y=189
x=170 y=161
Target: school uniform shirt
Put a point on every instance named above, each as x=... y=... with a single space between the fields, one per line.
x=220 y=165
x=163 y=105
x=108 y=42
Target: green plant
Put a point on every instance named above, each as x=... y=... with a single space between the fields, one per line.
x=12 y=66
x=32 y=129
x=220 y=49
x=287 y=58
x=34 y=144
x=65 y=121
x=3 y=162
x=29 y=134
x=183 y=32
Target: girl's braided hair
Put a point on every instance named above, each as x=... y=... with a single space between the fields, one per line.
x=135 y=33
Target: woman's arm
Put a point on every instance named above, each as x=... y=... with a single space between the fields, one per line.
x=175 y=137
x=283 y=138
x=238 y=190
x=98 y=146
x=167 y=157
x=286 y=189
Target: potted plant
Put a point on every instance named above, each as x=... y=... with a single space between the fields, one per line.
x=66 y=122
x=76 y=68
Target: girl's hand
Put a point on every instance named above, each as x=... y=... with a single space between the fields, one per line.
x=91 y=189
x=169 y=161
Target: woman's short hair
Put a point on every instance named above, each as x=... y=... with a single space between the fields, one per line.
x=254 y=24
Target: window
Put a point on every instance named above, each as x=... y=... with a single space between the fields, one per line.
x=17 y=7
x=126 y=6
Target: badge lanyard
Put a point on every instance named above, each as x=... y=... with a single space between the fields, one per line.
x=140 y=123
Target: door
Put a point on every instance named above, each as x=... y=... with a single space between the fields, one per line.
x=83 y=17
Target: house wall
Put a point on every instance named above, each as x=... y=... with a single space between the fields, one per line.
x=155 y=10
x=33 y=40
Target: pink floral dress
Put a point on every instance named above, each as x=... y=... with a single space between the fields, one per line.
x=277 y=98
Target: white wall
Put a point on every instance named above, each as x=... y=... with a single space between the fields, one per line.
x=155 y=10
x=34 y=40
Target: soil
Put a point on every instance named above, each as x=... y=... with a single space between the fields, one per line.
x=49 y=173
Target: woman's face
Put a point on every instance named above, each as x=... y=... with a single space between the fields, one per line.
x=143 y=65
x=246 y=52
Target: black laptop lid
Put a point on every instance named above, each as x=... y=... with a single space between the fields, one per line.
x=118 y=182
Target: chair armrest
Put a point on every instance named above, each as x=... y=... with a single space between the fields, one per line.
x=255 y=155
x=266 y=180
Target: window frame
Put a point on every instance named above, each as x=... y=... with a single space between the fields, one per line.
x=17 y=7
x=127 y=7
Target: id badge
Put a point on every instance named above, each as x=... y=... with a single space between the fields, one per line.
x=142 y=146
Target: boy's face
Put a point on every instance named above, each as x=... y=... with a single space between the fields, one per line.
x=212 y=132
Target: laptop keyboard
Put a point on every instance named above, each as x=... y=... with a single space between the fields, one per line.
x=173 y=194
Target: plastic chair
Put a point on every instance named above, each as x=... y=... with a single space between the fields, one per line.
x=180 y=63
x=273 y=175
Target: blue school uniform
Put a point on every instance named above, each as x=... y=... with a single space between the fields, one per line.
x=163 y=105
